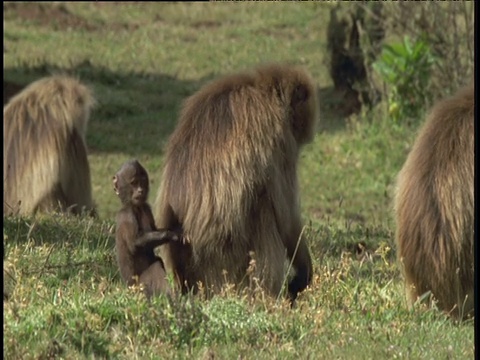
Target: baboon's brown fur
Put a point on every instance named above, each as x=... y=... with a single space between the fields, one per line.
x=136 y=235
x=434 y=207
x=45 y=162
x=230 y=179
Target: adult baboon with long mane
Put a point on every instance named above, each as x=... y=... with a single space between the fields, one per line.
x=434 y=207
x=45 y=161
x=230 y=180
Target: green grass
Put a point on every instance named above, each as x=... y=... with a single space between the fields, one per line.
x=66 y=297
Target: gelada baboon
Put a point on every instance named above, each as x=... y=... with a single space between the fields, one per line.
x=136 y=235
x=434 y=206
x=230 y=179
x=45 y=163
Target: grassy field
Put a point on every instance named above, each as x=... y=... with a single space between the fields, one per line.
x=66 y=297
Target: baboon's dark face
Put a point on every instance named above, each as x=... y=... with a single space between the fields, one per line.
x=133 y=185
x=304 y=108
x=139 y=189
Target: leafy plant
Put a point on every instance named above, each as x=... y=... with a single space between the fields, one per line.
x=406 y=68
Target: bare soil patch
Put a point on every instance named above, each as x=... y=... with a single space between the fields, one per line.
x=52 y=15
x=57 y=16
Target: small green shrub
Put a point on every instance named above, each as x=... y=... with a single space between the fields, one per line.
x=406 y=69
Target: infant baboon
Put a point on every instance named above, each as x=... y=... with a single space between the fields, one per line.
x=45 y=164
x=434 y=206
x=230 y=180
x=136 y=234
